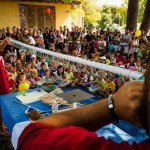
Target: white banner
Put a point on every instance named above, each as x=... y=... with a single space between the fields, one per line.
x=38 y=51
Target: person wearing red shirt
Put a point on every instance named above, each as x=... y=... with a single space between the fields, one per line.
x=125 y=60
x=12 y=84
x=74 y=129
x=4 y=86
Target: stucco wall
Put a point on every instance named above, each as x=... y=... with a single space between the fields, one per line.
x=9 y=13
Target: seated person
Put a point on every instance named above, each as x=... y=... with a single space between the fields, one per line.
x=120 y=82
x=33 y=78
x=70 y=77
x=12 y=83
x=87 y=80
x=99 y=83
x=47 y=74
x=109 y=87
x=23 y=79
x=42 y=70
x=61 y=76
x=76 y=130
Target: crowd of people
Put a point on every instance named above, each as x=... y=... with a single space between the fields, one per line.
x=114 y=48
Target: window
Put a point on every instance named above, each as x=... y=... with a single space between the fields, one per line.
x=35 y=15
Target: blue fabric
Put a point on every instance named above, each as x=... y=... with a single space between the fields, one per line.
x=13 y=113
x=41 y=72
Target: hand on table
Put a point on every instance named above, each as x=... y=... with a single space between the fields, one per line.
x=127 y=101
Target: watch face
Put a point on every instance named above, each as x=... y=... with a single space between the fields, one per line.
x=111 y=106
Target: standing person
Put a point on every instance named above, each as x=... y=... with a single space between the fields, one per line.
x=51 y=41
x=59 y=41
x=36 y=38
x=125 y=41
x=75 y=34
x=8 y=32
x=4 y=86
x=96 y=43
x=102 y=45
x=31 y=32
x=45 y=36
x=111 y=46
x=2 y=37
x=14 y=34
x=134 y=45
x=89 y=39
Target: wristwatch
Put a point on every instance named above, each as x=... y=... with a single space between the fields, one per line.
x=111 y=107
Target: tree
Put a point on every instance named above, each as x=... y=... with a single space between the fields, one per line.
x=142 y=6
x=88 y=10
x=146 y=19
x=106 y=18
x=117 y=19
x=132 y=14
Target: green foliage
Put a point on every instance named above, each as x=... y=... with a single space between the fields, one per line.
x=142 y=5
x=117 y=19
x=67 y=1
x=88 y=10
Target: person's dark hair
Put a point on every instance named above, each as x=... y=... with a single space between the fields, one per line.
x=60 y=66
x=43 y=63
x=144 y=111
x=124 y=54
x=22 y=74
x=29 y=34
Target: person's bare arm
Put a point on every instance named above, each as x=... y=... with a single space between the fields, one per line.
x=4 y=43
x=94 y=116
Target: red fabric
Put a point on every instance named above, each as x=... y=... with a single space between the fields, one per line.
x=126 y=62
x=43 y=137
x=4 y=86
x=11 y=82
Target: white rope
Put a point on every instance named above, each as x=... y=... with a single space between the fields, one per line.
x=113 y=69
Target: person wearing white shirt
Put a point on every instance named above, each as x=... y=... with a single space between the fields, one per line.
x=88 y=79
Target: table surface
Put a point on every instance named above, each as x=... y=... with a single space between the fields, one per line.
x=13 y=113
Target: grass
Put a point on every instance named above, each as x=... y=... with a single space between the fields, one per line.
x=5 y=143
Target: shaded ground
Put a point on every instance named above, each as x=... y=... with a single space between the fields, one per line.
x=5 y=143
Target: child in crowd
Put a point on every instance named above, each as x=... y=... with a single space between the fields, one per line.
x=88 y=79
x=12 y=83
x=33 y=78
x=61 y=76
x=120 y=82
x=109 y=87
x=70 y=77
x=111 y=46
x=42 y=70
x=41 y=42
x=138 y=67
x=23 y=79
x=47 y=74
x=78 y=48
x=99 y=83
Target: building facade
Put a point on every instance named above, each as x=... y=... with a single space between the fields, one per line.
x=27 y=14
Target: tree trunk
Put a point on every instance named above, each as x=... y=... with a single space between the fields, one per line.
x=132 y=14
x=146 y=19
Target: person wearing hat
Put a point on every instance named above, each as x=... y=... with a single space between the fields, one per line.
x=109 y=87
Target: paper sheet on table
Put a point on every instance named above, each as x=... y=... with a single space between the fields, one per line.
x=31 y=97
